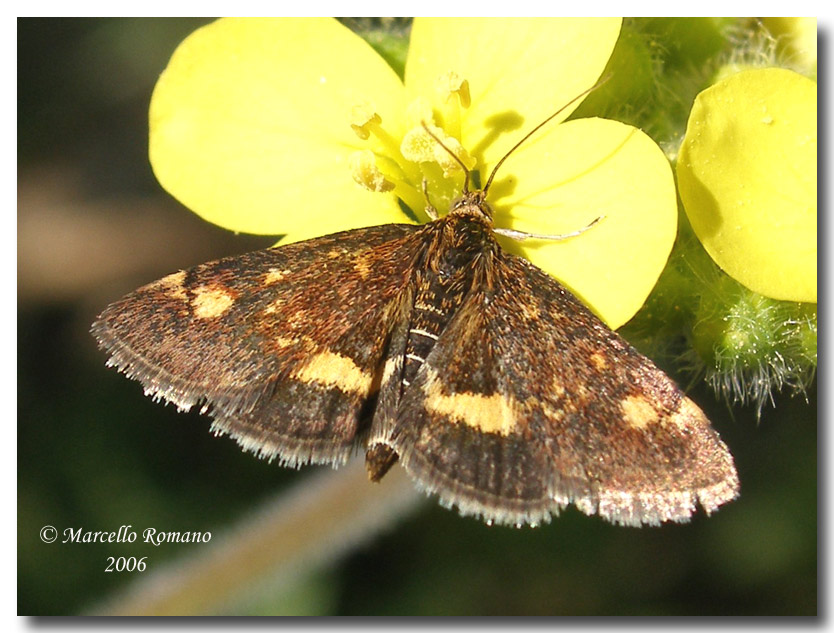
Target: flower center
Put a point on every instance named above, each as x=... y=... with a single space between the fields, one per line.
x=402 y=165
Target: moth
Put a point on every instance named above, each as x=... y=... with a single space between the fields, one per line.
x=428 y=345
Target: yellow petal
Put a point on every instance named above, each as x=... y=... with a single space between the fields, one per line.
x=251 y=125
x=562 y=182
x=519 y=71
x=747 y=174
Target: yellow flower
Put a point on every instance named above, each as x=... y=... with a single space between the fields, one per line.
x=747 y=173
x=797 y=39
x=297 y=127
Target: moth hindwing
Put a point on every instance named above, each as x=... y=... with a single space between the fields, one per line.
x=491 y=384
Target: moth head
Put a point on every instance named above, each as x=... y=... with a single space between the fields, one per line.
x=472 y=203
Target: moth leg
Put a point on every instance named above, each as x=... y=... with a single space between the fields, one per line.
x=523 y=235
x=430 y=210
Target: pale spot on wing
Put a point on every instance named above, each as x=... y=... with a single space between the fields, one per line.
x=638 y=412
x=335 y=370
x=210 y=303
x=362 y=266
x=558 y=387
x=598 y=361
x=274 y=275
x=172 y=285
x=490 y=414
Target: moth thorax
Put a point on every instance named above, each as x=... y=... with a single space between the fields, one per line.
x=462 y=241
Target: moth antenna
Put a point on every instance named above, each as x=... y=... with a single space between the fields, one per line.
x=451 y=153
x=541 y=125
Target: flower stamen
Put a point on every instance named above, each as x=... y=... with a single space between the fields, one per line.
x=366 y=122
x=450 y=84
x=364 y=170
x=419 y=147
x=455 y=96
x=362 y=118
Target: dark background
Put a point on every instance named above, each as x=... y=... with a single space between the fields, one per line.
x=94 y=453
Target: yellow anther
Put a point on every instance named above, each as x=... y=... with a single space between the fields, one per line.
x=362 y=118
x=365 y=172
x=419 y=147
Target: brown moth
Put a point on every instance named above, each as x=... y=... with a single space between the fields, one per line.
x=493 y=386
